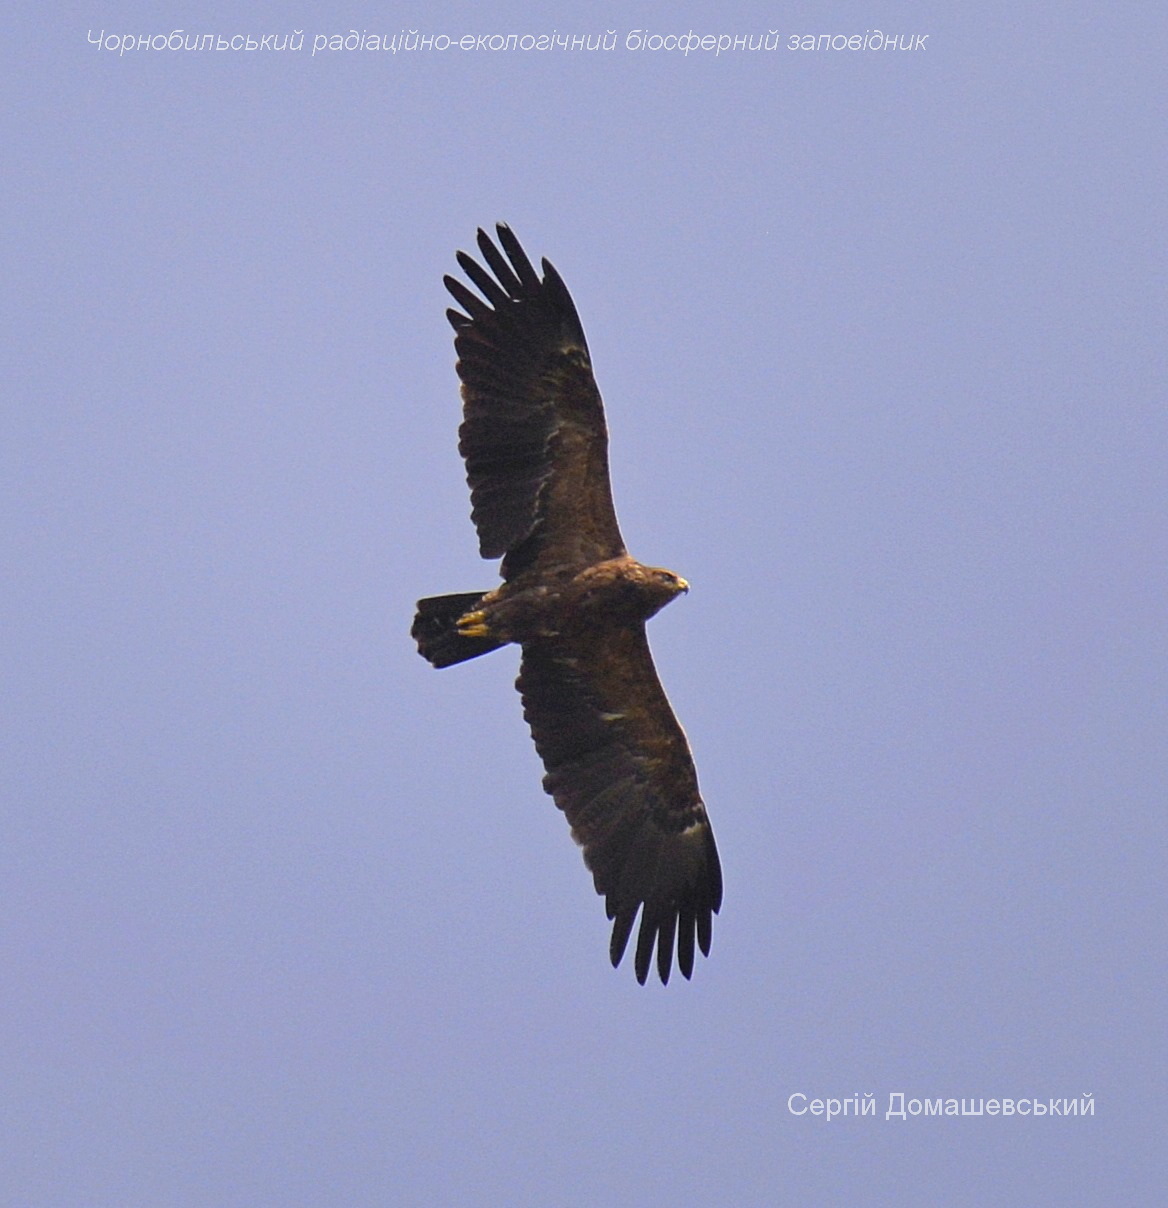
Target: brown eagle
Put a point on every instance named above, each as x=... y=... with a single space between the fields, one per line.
x=535 y=444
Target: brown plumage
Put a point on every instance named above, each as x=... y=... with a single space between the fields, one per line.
x=535 y=444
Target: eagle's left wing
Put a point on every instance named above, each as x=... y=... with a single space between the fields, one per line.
x=533 y=433
x=620 y=768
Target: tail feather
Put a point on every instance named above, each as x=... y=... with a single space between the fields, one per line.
x=436 y=632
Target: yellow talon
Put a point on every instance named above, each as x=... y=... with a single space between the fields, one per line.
x=472 y=625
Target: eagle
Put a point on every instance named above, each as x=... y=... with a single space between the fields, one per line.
x=535 y=443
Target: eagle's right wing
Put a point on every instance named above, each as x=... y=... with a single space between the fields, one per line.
x=620 y=768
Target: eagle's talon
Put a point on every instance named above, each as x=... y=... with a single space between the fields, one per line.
x=473 y=625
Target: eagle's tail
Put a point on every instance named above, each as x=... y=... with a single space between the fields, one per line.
x=435 y=629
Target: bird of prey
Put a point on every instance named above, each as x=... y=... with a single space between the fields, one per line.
x=535 y=444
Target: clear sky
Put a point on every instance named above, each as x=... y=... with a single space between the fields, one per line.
x=286 y=916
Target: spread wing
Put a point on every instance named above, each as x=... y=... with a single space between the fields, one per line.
x=533 y=434
x=619 y=766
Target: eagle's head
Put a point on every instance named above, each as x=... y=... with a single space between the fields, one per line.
x=658 y=586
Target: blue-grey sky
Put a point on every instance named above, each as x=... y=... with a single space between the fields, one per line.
x=286 y=916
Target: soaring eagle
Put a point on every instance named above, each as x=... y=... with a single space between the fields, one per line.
x=535 y=444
